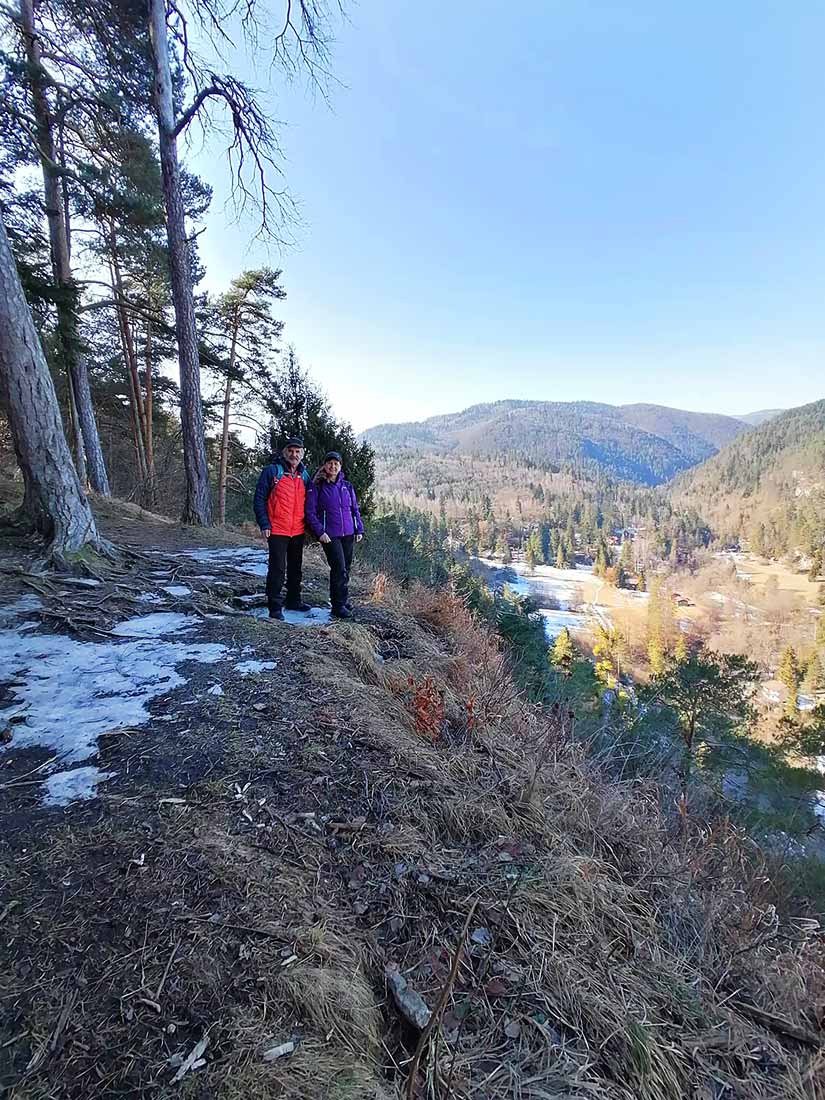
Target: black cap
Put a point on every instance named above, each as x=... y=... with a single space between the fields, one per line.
x=333 y=455
x=294 y=441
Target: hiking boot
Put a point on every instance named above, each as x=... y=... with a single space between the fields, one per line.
x=276 y=613
x=341 y=613
x=298 y=605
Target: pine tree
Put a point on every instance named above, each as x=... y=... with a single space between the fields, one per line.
x=546 y=547
x=561 y=556
x=245 y=322
x=46 y=111
x=607 y=649
x=53 y=502
x=790 y=676
x=816 y=566
x=626 y=555
x=563 y=653
x=814 y=680
x=532 y=550
x=656 y=656
x=709 y=695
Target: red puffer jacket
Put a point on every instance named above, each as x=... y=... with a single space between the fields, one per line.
x=286 y=504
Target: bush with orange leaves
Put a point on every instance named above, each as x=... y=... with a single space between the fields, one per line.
x=427 y=705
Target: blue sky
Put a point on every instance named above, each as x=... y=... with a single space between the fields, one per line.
x=580 y=200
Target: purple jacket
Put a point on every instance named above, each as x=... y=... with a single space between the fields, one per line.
x=333 y=507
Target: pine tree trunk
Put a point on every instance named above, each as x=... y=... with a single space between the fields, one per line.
x=67 y=323
x=130 y=358
x=77 y=434
x=134 y=409
x=151 y=493
x=54 y=502
x=227 y=398
x=198 y=503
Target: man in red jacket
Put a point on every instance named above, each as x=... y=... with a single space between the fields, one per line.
x=280 y=499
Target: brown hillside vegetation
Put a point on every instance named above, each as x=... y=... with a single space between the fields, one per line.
x=334 y=824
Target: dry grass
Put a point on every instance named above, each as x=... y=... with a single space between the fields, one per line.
x=603 y=962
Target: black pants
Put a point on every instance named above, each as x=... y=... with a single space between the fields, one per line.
x=285 y=558
x=339 y=556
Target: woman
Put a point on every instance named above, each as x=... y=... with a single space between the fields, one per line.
x=332 y=514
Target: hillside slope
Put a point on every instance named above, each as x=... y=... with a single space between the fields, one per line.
x=280 y=859
x=646 y=444
x=768 y=484
x=761 y=416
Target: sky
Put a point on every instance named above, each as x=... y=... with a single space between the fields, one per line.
x=611 y=201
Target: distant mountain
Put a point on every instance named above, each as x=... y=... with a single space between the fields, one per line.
x=647 y=444
x=768 y=484
x=761 y=417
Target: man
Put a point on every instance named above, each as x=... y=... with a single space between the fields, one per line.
x=280 y=500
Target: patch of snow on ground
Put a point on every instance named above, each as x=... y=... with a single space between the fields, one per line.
x=216 y=689
x=68 y=693
x=155 y=625
x=318 y=616
x=178 y=590
x=244 y=558
x=150 y=597
x=250 y=668
x=78 y=785
x=519 y=588
x=23 y=605
x=563 y=586
x=555 y=621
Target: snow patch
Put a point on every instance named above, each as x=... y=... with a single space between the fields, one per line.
x=178 y=590
x=556 y=621
x=150 y=597
x=78 y=785
x=216 y=689
x=318 y=616
x=69 y=693
x=243 y=558
x=23 y=605
x=155 y=625
x=250 y=668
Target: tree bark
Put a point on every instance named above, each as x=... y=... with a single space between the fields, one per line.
x=127 y=348
x=130 y=357
x=198 y=502
x=67 y=323
x=77 y=434
x=54 y=502
x=151 y=494
x=227 y=397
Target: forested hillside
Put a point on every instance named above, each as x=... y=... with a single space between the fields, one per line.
x=646 y=444
x=767 y=486
x=761 y=416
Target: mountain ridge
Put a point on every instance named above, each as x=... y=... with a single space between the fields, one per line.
x=645 y=443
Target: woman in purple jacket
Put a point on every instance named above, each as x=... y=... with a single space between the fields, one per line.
x=332 y=514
